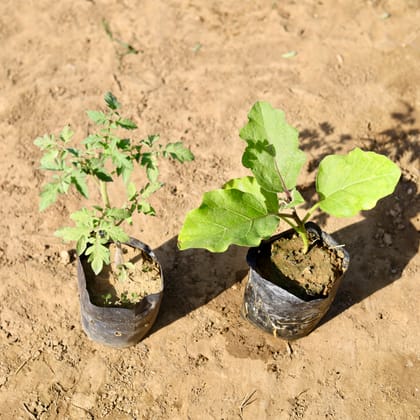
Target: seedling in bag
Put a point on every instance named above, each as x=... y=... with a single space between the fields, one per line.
x=247 y=210
x=102 y=157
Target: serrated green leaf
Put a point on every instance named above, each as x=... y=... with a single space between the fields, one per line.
x=45 y=142
x=227 y=217
x=350 y=183
x=102 y=174
x=73 y=151
x=145 y=208
x=131 y=191
x=98 y=117
x=151 y=140
x=273 y=147
x=150 y=162
x=48 y=195
x=126 y=123
x=123 y=144
x=66 y=134
x=250 y=185
x=52 y=160
x=73 y=233
x=150 y=188
x=111 y=100
x=98 y=255
x=81 y=245
x=123 y=164
x=178 y=152
x=116 y=233
x=93 y=141
x=78 y=179
x=118 y=214
x=84 y=217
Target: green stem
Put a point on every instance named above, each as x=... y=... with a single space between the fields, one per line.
x=104 y=194
x=310 y=212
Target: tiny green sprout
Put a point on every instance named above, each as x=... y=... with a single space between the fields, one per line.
x=107 y=298
x=103 y=156
x=247 y=210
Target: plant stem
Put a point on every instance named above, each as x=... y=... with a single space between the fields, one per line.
x=118 y=257
x=310 y=212
x=300 y=225
x=104 y=194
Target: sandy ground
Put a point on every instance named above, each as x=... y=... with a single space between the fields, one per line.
x=354 y=81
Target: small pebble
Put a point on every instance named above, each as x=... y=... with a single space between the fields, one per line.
x=387 y=239
x=64 y=257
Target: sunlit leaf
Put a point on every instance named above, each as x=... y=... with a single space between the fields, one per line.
x=225 y=217
x=273 y=148
x=350 y=183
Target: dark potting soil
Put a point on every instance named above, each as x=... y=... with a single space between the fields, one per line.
x=307 y=276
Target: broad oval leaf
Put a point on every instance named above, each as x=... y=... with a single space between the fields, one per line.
x=350 y=183
x=273 y=148
x=227 y=217
x=250 y=185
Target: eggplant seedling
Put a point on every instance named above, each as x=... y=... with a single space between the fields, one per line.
x=247 y=210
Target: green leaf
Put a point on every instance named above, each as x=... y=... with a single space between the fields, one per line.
x=151 y=140
x=98 y=255
x=98 y=117
x=84 y=217
x=350 y=183
x=118 y=214
x=45 y=142
x=297 y=199
x=131 y=191
x=102 y=174
x=178 y=152
x=145 y=208
x=150 y=162
x=111 y=100
x=81 y=245
x=250 y=185
x=48 y=195
x=116 y=233
x=273 y=147
x=78 y=179
x=74 y=233
x=150 y=188
x=66 y=134
x=53 y=160
x=225 y=217
x=126 y=123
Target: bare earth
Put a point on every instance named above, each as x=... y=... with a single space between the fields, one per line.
x=354 y=81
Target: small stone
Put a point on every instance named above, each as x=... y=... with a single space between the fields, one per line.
x=64 y=257
x=387 y=239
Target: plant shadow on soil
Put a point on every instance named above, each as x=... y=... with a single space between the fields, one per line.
x=194 y=277
x=381 y=245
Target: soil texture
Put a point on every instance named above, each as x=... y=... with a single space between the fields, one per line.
x=346 y=73
x=124 y=286
x=308 y=276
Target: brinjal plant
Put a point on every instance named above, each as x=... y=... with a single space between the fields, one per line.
x=102 y=157
x=247 y=210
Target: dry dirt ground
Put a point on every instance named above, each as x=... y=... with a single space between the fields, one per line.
x=354 y=81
